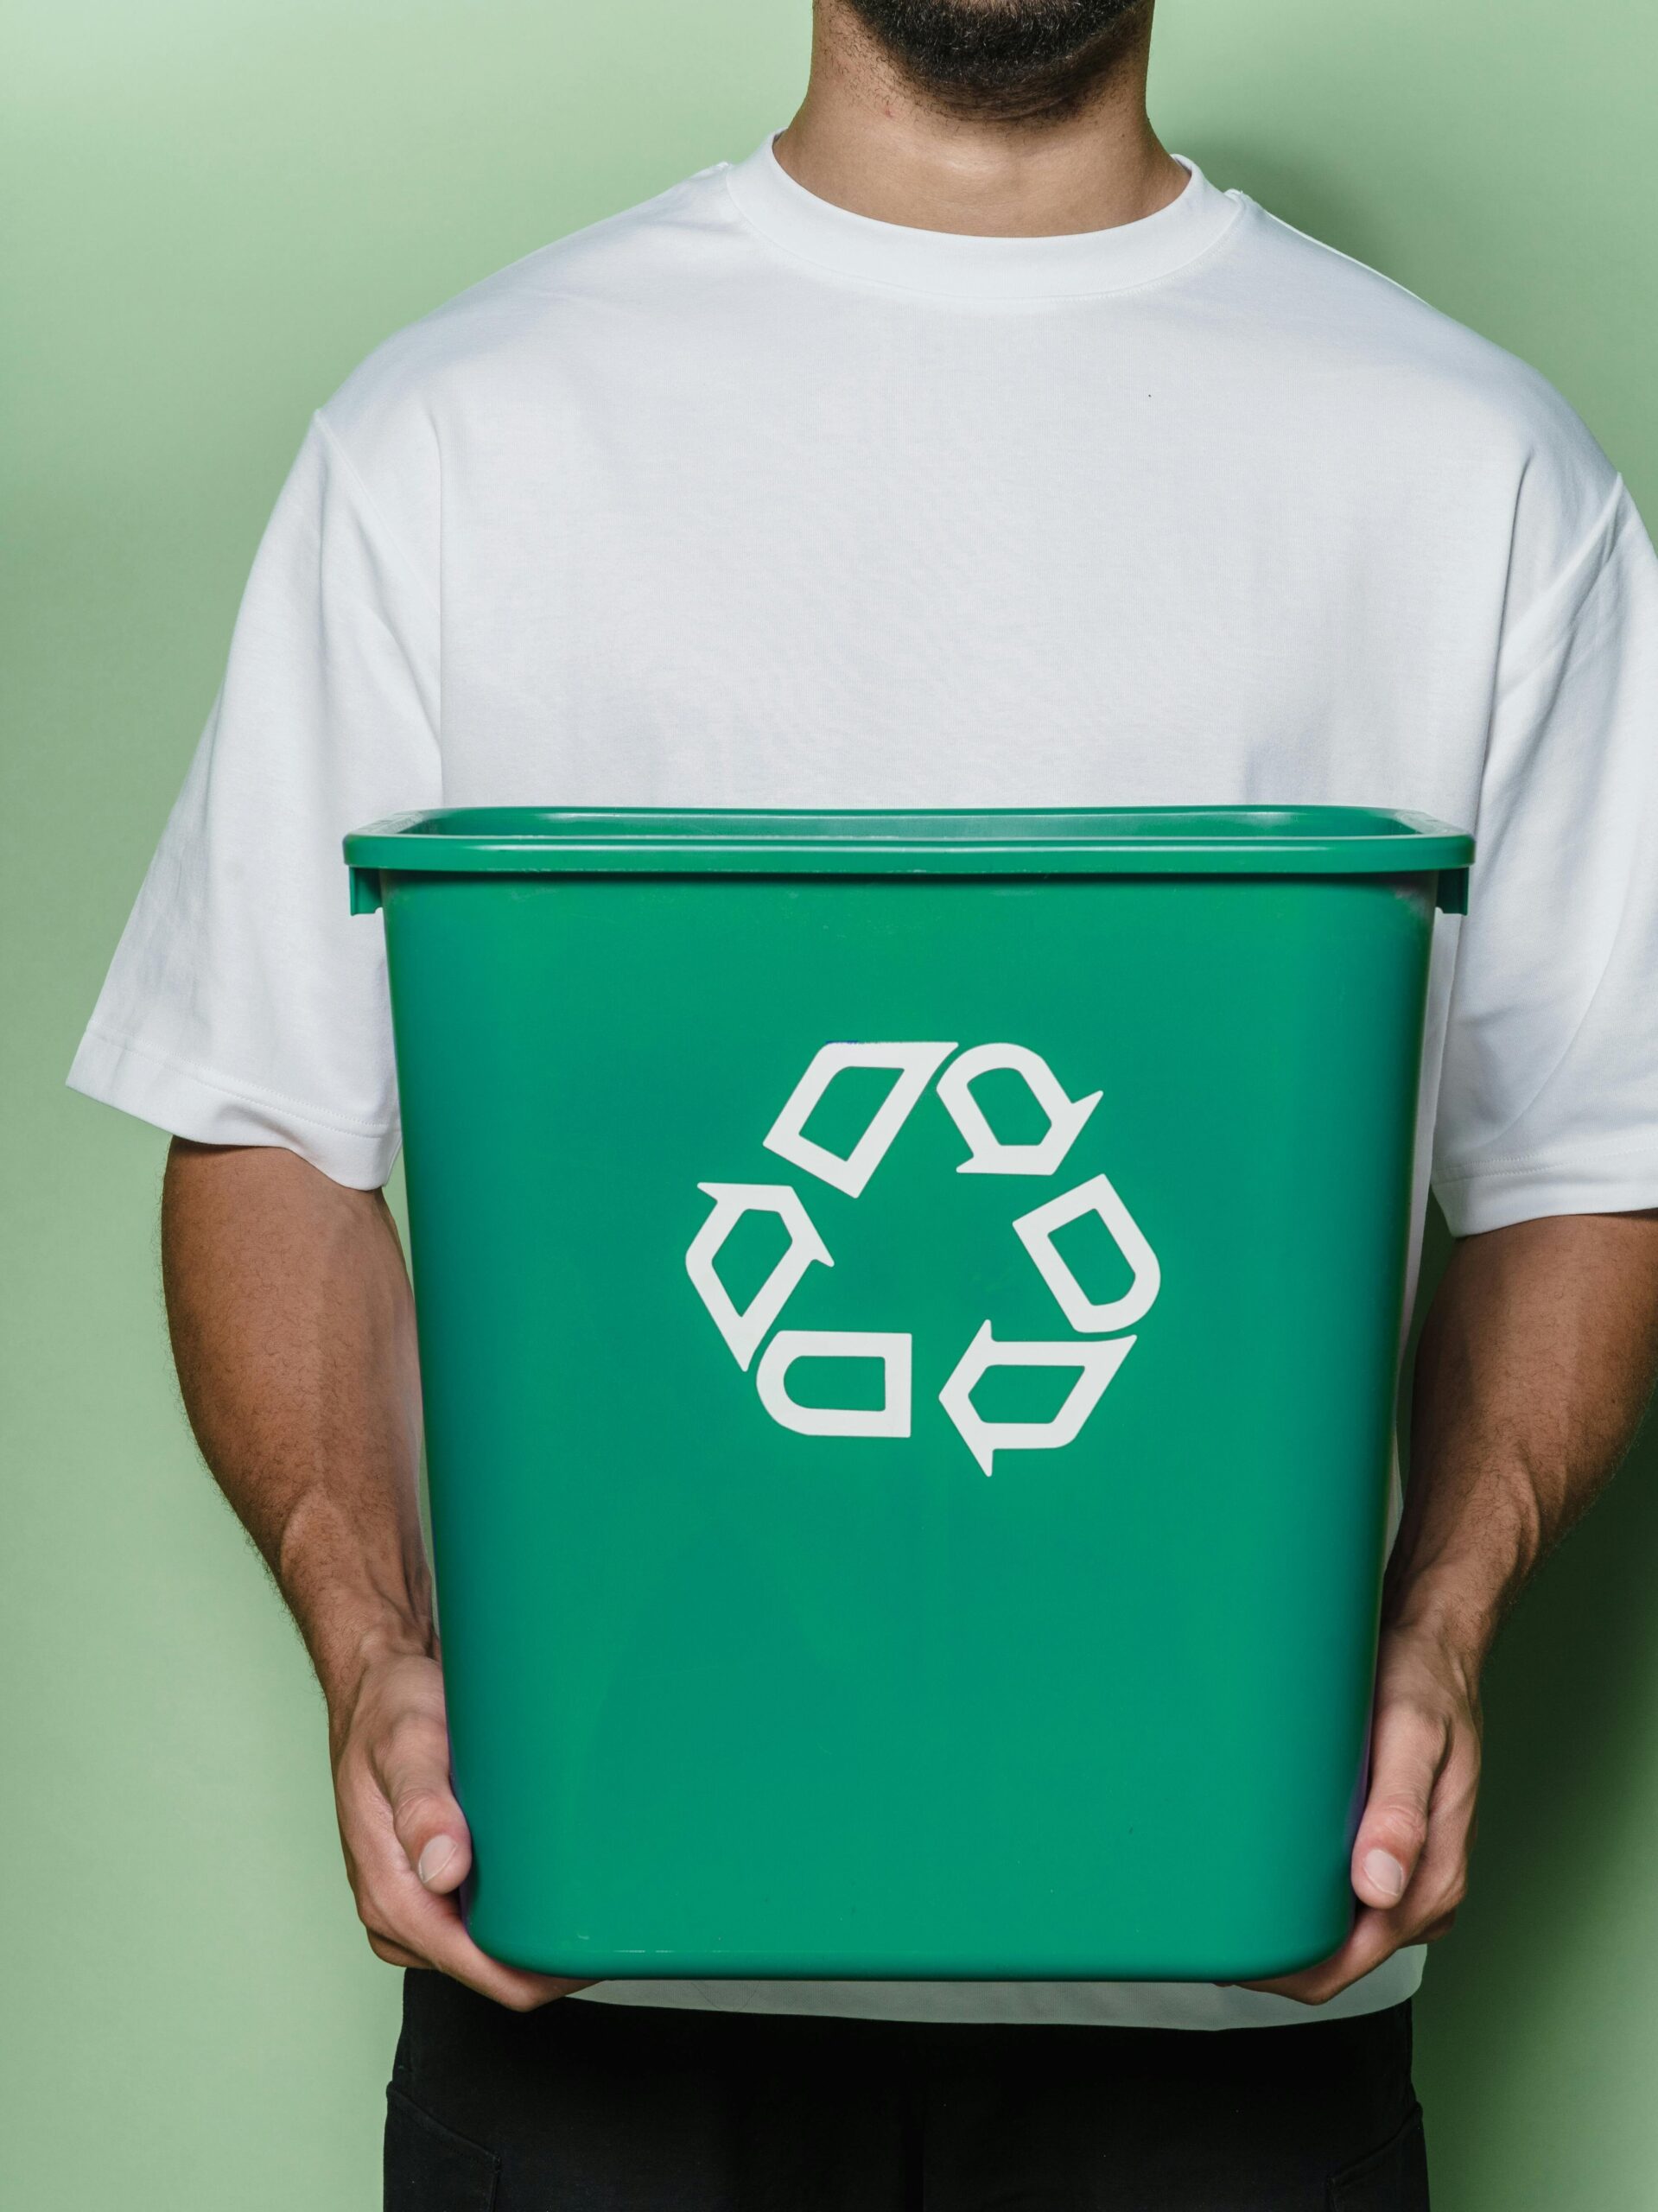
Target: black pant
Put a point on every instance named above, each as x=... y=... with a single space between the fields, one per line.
x=600 y=2107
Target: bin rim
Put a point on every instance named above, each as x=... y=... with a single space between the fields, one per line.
x=935 y=840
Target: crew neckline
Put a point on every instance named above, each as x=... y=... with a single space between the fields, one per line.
x=1073 y=264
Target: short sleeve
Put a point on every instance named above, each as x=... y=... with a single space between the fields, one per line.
x=1549 y=1095
x=246 y=1005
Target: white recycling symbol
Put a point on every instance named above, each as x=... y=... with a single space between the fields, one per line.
x=1094 y=1353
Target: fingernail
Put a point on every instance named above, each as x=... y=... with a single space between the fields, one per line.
x=435 y=1857
x=1383 y=1871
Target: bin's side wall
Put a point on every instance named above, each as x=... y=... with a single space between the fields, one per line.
x=727 y=1697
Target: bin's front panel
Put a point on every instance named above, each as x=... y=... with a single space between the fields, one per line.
x=1061 y=1668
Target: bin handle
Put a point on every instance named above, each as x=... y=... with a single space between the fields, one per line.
x=365 y=890
x=1453 y=894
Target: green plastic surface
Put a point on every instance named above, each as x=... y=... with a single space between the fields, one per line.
x=728 y=1698
x=1136 y=841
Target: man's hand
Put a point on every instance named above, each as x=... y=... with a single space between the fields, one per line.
x=294 y=1330
x=406 y=1845
x=1410 y=1857
x=1536 y=1362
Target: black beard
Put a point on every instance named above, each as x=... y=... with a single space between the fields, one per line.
x=1003 y=58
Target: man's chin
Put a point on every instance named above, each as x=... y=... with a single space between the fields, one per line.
x=1014 y=55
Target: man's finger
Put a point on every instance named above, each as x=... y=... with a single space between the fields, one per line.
x=1428 y=1906
x=452 y=1951
x=1407 y=1754
x=1372 y=1939
x=393 y=1954
x=431 y=1927
x=423 y=1924
x=424 y=1928
x=414 y=1774
x=441 y=1859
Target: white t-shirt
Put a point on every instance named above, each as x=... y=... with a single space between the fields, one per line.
x=741 y=499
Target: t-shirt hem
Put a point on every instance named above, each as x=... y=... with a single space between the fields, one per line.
x=1195 y=2007
x=186 y=1102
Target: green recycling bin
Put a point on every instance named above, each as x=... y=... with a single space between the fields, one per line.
x=909 y=1312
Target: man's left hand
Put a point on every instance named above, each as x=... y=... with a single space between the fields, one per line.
x=1410 y=1857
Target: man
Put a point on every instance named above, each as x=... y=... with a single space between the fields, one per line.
x=959 y=448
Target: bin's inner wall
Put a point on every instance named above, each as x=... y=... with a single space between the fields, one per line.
x=726 y=1698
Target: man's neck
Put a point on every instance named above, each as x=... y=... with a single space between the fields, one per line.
x=867 y=140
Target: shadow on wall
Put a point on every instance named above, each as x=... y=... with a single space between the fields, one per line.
x=1571 y=1704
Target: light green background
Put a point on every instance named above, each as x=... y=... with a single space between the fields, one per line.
x=212 y=209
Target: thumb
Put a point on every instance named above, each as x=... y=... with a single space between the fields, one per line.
x=1407 y=1751
x=444 y=1860
x=428 y=1821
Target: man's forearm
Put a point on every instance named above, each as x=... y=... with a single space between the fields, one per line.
x=1534 y=1365
x=1536 y=1362
x=293 y=1330
x=293 y=1327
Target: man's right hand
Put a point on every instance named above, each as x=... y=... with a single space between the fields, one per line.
x=293 y=1326
x=406 y=1846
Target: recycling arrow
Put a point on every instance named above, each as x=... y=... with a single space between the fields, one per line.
x=987 y=1153
x=743 y=1328
x=1096 y=1364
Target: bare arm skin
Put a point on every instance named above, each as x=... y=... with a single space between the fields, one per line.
x=1533 y=1369
x=293 y=1329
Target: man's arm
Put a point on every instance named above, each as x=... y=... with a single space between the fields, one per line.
x=1534 y=1365
x=293 y=1328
